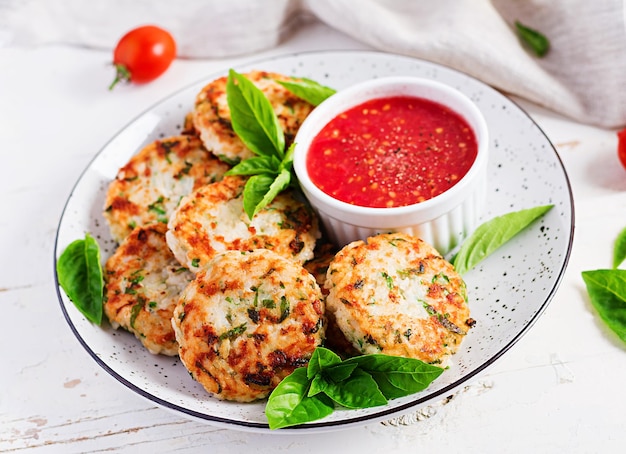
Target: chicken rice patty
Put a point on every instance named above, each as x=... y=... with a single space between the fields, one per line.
x=211 y=115
x=247 y=322
x=143 y=281
x=395 y=294
x=212 y=220
x=150 y=185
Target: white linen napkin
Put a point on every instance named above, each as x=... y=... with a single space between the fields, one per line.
x=583 y=75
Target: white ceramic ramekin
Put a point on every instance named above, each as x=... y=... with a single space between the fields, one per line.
x=443 y=221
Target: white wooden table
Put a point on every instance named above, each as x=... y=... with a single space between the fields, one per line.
x=560 y=389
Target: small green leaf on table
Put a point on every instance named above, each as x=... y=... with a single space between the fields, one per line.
x=607 y=293
x=619 y=249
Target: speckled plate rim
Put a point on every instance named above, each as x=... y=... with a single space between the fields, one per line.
x=381 y=413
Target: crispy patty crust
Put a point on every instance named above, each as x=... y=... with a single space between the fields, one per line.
x=395 y=294
x=212 y=120
x=246 y=322
x=143 y=281
x=150 y=185
x=212 y=220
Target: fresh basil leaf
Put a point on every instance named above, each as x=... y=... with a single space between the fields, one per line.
x=287 y=162
x=492 y=234
x=95 y=278
x=280 y=182
x=535 y=40
x=229 y=161
x=334 y=373
x=619 y=249
x=253 y=117
x=607 y=293
x=318 y=385
x=255 y=166
x=359 y=390
x=397 y=376
x=290 y=405
x=339 y=372
x=287 y=165
x=253 y=192
x=260 y=190
x=321 y=359
x=307 y=89
x=358 y=382
x=80 y=275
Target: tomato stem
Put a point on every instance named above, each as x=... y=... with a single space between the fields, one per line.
x=121 y=74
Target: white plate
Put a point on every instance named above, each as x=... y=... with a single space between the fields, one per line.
x=508 y=291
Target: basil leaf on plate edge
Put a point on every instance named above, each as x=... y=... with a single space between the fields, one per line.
x=290 y=405
x=80 y=276
x=492 y=234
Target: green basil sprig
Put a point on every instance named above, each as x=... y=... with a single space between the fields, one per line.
x=80 y=275
x=535 y=40
x=311 y=393
x=492 y=234
x=253 y=118
x=607 y=290
x=307 y=89
x=256 y=124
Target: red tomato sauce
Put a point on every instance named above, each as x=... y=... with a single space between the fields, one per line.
x=391 y=152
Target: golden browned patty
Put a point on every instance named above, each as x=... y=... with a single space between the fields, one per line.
x=143 y=281
x=212 y=118
x=212 y=220
x=150 y=185
x=395 y=294
x=246 y=322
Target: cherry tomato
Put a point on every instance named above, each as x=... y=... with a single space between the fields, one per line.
x=621 y=146
x=143 y=54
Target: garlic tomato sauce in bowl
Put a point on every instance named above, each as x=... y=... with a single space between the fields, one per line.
x=401 y=154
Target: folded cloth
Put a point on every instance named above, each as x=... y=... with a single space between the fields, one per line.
x=202 y=28
x=582 y=76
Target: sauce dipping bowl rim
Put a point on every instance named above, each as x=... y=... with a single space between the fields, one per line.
x=354 y=95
